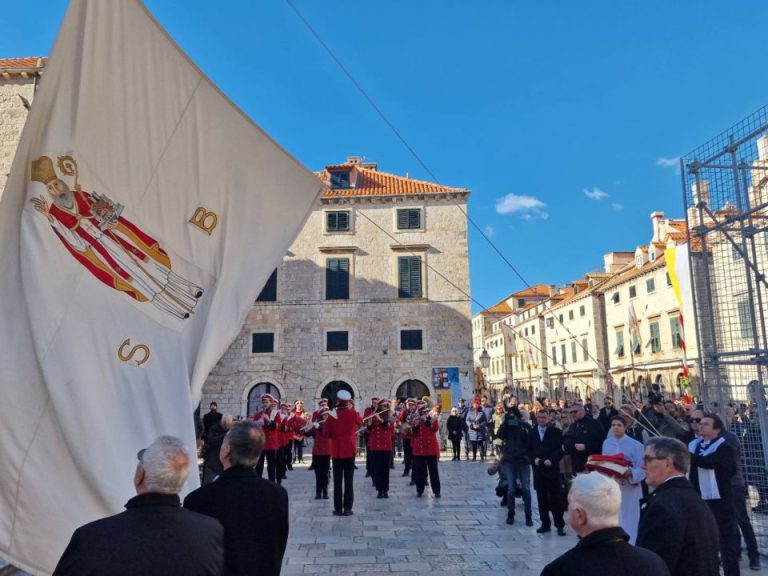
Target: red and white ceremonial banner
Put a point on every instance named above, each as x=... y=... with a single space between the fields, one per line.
x=142 y=216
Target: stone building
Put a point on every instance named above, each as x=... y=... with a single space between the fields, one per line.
x=19 y=78
x=574 y=341
x=372 y=297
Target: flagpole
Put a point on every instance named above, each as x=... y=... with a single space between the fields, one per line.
x=632 y=363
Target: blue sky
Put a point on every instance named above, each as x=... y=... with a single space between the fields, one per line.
x=564 y=118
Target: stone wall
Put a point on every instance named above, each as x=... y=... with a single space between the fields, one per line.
x=374 y=364
x=12 y=118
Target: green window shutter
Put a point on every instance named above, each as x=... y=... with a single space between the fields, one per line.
x=331 y=221
x=409 y=277
x=337 y=279
x=402 y=219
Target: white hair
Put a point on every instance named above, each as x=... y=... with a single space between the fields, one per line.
x=599 y=497
x=166 y=465
x=226 y=421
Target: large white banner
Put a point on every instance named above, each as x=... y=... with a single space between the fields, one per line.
x=142 y=216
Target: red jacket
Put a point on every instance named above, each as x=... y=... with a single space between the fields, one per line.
x=404 y=416
x=322 y=445
x=424 y=441
x=287 y=425
x=299 y=421
x=381 y=435
x=343 y=431
x=271 y=421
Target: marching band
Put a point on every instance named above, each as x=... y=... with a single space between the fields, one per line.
x=334 y=434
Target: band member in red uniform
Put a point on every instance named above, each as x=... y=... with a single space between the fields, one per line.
x=380 y=441
x=342 y=430
x=321 y=450
x=407 y=416
x=426 y=451
x=268 y=418
x=322 y=403
x=300 y=420
x=367 y=412
x=284 y=440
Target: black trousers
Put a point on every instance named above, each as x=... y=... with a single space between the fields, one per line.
x=368 y=465
x=478 y=444
x=422 y=465
x=298 y=450
x=456 y=445
x=729 y=535
x=742 y=519
x=270 y=456
x=343 y=480
x=322 y=467
x=407 y=455
x=380 y=460
x=280 y=464
x=549 y=495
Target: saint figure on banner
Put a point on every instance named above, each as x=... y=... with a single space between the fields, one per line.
x=111 y=247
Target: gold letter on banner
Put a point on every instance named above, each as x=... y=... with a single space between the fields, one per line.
x=135 y=350
x=204 y=220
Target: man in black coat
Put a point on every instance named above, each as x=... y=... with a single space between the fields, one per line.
x=514 y=463
x=594 y=502
x=212 y=417
x=713 y=464
x=607 y=412
x=674 y=521
x=544 y=452
x=583 y=438
x=253 y=511
x=137 y=541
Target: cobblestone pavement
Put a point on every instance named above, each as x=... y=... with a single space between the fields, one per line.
x=462 y=533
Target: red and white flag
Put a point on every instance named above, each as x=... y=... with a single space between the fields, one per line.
x=142 y=216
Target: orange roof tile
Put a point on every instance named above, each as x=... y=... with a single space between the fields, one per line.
x=10 y=64
x=536 y=290
x=632 y=272
x=370 y=182
x=500 y=308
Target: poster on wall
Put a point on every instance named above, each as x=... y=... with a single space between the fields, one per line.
x=447 y=385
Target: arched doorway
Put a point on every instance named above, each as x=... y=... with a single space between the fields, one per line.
x=332 y=388
x=255 y=393
x=412 y=389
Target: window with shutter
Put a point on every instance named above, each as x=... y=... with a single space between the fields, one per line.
x=337 y=279
x=409 y=277
x=745 y=319
x=337 y=221
x=674 y=328
x=408 y=218
x=655 y=337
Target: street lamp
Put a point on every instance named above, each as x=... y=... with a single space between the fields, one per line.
x=485 y=359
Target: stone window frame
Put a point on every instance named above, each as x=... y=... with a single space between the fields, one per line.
x=352 y=221
x=350 y=341
x=422 y=218
x=423 y=339
x=275 y=342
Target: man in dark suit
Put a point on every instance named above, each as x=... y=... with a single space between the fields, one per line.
x=544 y=452
x=253 y=511
x=137 y=541
x=607 y=412
x=713 y=464
x=674 y=521
x=583 y=438
x=594 y=502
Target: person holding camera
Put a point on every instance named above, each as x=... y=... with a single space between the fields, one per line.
x=517 y=468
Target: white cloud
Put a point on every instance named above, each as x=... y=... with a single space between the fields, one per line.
x=616 y=206
x=489 y=230
x=527 y=207
x=596 y=194
x=668 y=162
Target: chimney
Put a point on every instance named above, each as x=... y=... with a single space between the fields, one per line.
x=656 y=219
x=700 y=195
x=354 y=160
x=762 y=148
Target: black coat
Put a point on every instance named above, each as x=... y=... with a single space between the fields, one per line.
x=548 y=449
x=586 y=431
x=254 y=513
x=456 y=426
x=679 y=526
x=514 y=433
x=606 y=552
x=154 y=536
x=723 y=462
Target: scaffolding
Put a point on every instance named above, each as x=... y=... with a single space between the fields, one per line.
x=725 y=190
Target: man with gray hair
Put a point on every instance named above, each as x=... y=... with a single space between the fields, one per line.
x=594 y=502
x=253 y=511
x=674 y=520
x=137 y=541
